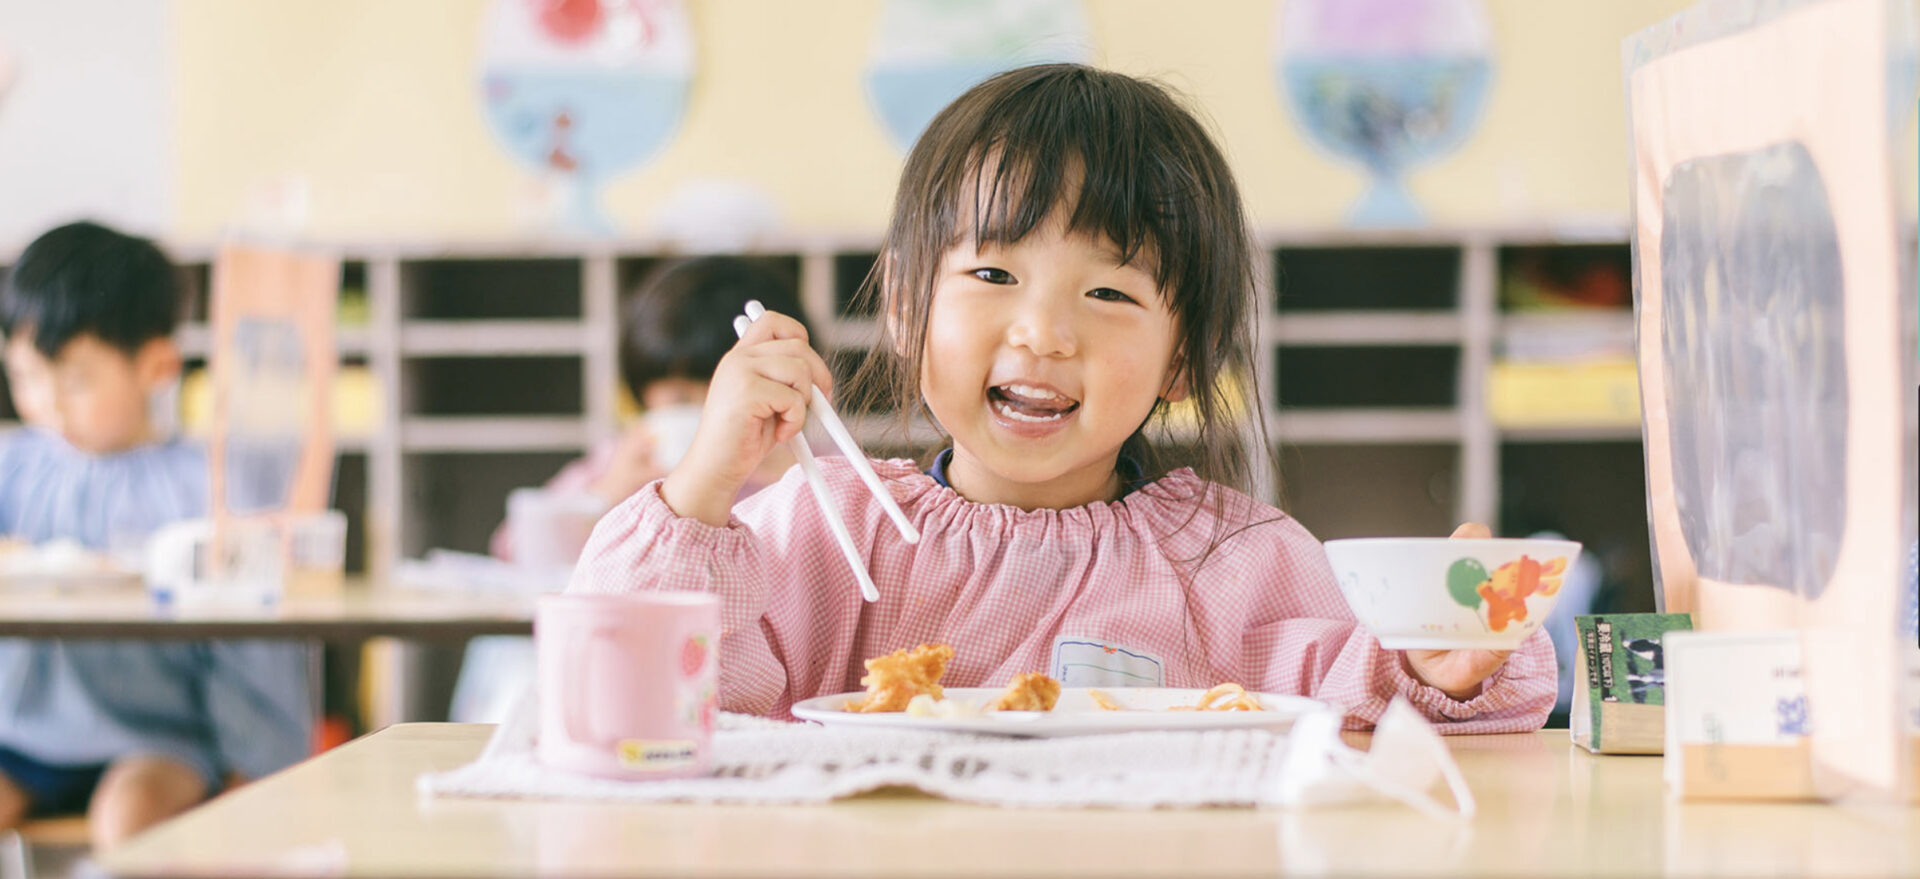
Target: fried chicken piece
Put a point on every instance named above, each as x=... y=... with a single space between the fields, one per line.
x=1238 y=699
x=894 y=679
x=1029 y=691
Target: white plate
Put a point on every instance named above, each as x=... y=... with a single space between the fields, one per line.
x=1074 y=715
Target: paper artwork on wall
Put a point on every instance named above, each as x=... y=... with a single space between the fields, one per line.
x=1390 y=84
x=581 y=91
x=928 y=52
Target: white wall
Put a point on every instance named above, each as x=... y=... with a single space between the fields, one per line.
x=86 y=127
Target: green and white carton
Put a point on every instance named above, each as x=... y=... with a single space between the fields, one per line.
x=1619 y=693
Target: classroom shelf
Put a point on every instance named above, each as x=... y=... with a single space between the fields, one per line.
x=458 y=496
x=450 y=338
x=497 y=288
x=1371 y=276
x=494 y=434
x=1351 y=375
x=1366 y=328
x=1345 y=490
x=1573 y=433
x=1591 y=491
x=1373 y=353
x=850 y=272
x=195 y=339
x=1367 y=426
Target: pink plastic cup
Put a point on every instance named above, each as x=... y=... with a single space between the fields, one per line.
x=628 y=683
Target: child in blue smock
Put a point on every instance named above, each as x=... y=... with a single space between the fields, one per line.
x=130 y=731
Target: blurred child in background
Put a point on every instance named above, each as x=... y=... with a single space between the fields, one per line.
x=673 y=332
x=130 y=731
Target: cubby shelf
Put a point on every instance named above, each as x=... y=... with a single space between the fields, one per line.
x=498 y=361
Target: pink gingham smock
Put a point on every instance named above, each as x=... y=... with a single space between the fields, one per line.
x=1006 y=587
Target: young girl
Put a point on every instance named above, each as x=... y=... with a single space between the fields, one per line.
x=1067 y=256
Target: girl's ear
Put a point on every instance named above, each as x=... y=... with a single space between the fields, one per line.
x=1178 y=387
x=157 y=363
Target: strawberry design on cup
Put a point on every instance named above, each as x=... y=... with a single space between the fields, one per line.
x=693 y=655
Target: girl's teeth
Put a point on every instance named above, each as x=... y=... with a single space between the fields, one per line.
x=1032 y=393
x=1016 y=415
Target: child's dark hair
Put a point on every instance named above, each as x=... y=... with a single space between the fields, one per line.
x=1123 y=161
x=85 y=279
x=679 y=323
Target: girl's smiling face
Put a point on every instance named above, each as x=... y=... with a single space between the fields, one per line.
x=1042 y=357
x=995 y=272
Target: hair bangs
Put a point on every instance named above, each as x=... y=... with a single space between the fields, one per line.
x=1085 y=156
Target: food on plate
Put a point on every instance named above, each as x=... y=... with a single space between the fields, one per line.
x=909 y=681
x=894 y=679
x=1237 y=699
x=1029 y=691
x=924 y=705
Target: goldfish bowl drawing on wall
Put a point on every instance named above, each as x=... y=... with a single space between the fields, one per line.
x=928 y=52
x=1387 y=83
x=1433 y=593
x=584 y=90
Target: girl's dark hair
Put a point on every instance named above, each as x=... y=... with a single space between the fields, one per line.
x=679 y=323
x=1127 y=163
x=86 y=279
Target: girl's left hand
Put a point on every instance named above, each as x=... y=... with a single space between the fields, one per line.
x=1457 y=673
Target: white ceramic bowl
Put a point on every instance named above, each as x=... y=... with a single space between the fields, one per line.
x=1433 y=593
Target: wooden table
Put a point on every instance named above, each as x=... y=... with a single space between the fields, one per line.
x=1545 y=808
x=356 y=613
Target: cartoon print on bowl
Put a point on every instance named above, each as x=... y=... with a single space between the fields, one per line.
x=1504 y=592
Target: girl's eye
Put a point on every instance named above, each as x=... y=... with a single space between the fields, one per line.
x=1108 y=294
x=993 y=276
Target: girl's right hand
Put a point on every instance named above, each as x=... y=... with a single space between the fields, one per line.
x=757 y=400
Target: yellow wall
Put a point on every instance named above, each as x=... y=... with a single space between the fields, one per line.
x=374 y=104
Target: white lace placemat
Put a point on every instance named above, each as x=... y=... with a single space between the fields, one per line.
x=759 y=761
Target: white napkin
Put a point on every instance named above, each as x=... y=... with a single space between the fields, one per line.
x=766 y=762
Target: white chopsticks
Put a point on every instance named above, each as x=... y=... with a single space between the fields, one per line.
x=821 y=410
